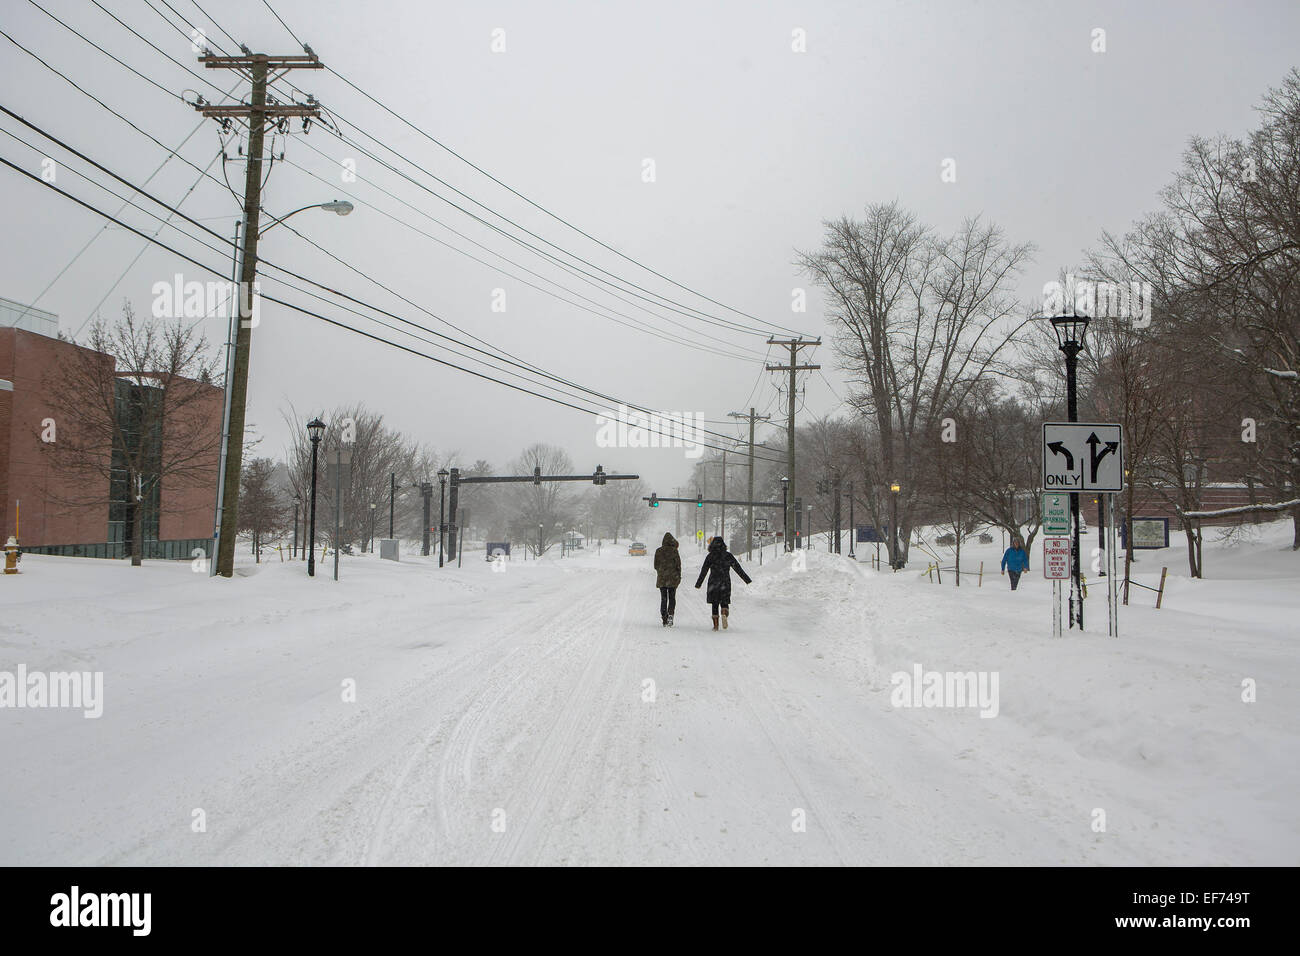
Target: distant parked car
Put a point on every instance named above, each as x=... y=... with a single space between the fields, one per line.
x=986 y=538
x=946 y=540
x=637 y=550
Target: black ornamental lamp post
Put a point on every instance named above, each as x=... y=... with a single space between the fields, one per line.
x=785 y=514
x=315 y=429
x=1070 y=331
x=442 y=495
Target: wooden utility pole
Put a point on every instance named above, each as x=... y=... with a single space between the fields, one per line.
x=257 y=114
x=794 y=345
x=749 y=522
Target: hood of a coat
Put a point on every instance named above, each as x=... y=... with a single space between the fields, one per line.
x=669 y=540
x=717 y=544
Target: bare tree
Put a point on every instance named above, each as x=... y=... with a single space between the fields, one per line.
x=376 y=452
x=920 y=319
x=540 y=513
x=262 y=509
x=618 y=509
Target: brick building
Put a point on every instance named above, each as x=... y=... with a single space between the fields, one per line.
x=53 y=511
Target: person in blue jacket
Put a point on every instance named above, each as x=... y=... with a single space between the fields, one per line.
x=1015 y=561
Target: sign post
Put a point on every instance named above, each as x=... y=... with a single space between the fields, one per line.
x=1079 y=457
x=1056 y=568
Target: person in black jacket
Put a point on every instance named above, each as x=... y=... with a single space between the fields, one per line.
x=717 y=565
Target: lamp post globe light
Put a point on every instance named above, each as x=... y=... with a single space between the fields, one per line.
x=315 y=430
x=1070 y=331
x=442 y=494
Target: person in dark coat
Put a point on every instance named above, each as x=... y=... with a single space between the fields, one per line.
x=717 y=565
x=668 y=574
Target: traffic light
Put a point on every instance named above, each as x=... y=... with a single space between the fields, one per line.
x=699 y=500
x=654 y=500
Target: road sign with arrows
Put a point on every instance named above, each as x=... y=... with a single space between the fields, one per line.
x=1083 y=456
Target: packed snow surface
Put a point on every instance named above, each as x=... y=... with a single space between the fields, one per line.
x=541 y=714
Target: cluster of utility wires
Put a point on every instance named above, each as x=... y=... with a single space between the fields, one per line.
x=556 y=270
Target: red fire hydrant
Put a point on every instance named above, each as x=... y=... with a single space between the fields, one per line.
x=11 y=555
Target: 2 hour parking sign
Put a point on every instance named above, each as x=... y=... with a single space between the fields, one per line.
x=1081 y=456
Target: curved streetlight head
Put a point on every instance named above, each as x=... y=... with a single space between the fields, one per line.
x=340 y=206
x=315 y=428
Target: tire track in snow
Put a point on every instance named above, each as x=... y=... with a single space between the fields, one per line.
x=475 y=665
x=562 y=740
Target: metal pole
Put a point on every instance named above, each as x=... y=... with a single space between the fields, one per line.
x=893 y=529
x=785 y=515
x=853 y=527
x=1101 y=535
x=722 y=529
x=338 y=504
x=1071 y=350
x=225 y=414
x=426 y=492
x=1112 y=586
x=453 y=508
x=293 y=553
x=460 y=538
x=392 y=500
x=311 y=538
x=837 y=515
x=442 y=498
x=749 y=521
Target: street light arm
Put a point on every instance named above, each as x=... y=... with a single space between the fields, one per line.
x=283 y=218
x=334 y=205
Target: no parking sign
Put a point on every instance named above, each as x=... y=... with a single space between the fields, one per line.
x=1056 y=558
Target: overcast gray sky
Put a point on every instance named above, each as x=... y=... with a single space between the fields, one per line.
x=753 y=144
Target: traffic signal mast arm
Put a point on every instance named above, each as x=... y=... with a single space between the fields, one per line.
x=494 y=479
x=712 y=501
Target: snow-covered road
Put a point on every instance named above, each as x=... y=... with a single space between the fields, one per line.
x=543 y=715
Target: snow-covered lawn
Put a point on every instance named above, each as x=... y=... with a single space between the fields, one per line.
x=542 y=715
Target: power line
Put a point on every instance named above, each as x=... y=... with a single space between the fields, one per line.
x=539 y=207
x=493 y=252
x=283 y=24
x=562 y=265
x=295 y=275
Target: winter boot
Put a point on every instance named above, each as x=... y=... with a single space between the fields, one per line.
x=664 y=618
x=670 y=620
x=715 y=622
x=724 y=618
